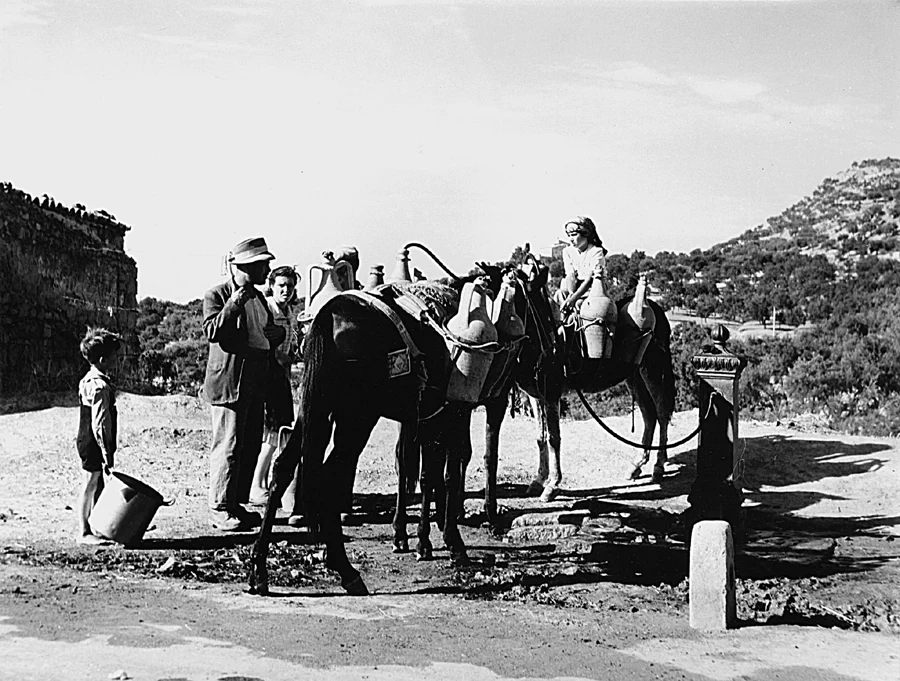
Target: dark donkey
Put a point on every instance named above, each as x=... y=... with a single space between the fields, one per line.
x=541 y=373
x=347 y=386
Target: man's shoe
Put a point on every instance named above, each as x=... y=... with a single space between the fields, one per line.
x=248 y=518
x=258 y=500
x=225 y=521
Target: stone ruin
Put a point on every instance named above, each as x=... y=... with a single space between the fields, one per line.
x=61 y=270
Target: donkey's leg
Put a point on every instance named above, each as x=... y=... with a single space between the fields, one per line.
x=660 y=383
x=554 y=441
x=461 y=435
x=659 y=468
x=406 y=445
x=648 y=414
x=431 y=484
x=353 y=426
x=536 y=486
x=282 y=474
x=458 y=450
x=495 y=412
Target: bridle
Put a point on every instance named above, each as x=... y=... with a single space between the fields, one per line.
x=545 y=333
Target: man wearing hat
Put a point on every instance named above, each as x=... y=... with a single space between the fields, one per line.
x=241 y=333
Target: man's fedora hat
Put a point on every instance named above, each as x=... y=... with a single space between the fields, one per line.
x=250 y=250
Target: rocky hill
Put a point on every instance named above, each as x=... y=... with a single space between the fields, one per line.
x=830 y=252
x=852 y=215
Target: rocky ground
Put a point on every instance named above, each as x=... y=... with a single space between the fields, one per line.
x=822 y=515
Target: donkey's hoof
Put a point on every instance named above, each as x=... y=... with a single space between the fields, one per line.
x=636 y=473
x=356 y=587
x=549 y=494
x=459 y=559
x=401 y=546
x=424 y=553
x=658 y=473
x=261 y=589
x=535 y=487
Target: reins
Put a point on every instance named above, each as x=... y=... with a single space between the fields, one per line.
x=636 y=444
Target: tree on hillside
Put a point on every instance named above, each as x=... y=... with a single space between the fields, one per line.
x=173 y=345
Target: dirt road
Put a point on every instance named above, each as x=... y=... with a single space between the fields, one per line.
x=589 y=586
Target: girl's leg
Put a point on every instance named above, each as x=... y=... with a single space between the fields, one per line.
x=259 y=488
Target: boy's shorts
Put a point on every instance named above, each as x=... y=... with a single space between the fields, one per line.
x=92 y=461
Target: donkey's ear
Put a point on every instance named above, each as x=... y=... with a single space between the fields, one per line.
x=540 y=277
x=489 y=269
x=493 y=271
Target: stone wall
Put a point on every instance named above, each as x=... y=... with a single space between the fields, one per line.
x=61 y=270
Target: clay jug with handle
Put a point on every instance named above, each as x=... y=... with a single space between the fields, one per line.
x=598 y=319
x=324 y=281
x=509 y=324
x=637 y=325
x=471 y=326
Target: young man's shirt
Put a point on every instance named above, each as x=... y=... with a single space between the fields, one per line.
x=257 y=316
x=97 y=392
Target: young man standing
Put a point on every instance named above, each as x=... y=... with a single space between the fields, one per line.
x=241 y=332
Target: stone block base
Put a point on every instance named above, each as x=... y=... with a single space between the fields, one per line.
x=712 y=593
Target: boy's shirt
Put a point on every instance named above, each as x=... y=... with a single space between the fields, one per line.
x=97 y=396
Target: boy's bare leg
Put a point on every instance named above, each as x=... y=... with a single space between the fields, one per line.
x=259 y=488
x=93 y=485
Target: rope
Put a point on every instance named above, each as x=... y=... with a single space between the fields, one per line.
x=637 y=445
x=490 y=348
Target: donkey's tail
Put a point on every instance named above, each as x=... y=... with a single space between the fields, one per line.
x=314 y=414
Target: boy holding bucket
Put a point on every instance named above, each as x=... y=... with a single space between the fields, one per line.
x=96 y=440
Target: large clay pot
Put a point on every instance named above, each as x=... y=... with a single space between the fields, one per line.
x=324 y=281
x=598 y=319
x=509 y=324
x=376 y=278
x=638 y=324
x=471 y=326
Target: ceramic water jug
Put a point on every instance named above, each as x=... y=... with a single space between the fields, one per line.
x=323 y=282
x=471 y=326
x=598 y=319
x=504 y=316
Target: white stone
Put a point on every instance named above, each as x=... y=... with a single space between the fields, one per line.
x=711 y=577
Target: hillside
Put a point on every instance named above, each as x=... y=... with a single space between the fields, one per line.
x=828 y=270
x=854 y=214
x=829 y=253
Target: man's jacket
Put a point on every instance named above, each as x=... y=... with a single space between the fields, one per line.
x=225 y=325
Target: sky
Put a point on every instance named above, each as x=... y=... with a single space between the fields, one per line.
x=471 y=127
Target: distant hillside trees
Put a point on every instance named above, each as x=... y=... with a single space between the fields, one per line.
x=173 y=346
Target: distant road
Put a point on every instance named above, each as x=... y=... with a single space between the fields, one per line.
x=752 y=329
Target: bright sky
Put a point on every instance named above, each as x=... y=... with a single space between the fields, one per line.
x=470 y=126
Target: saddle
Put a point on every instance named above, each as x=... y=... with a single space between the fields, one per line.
x=412 y=308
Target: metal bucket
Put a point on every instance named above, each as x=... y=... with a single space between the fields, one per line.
x=125 y=508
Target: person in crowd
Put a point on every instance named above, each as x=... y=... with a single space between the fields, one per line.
x=97 y=424
x=281 y=295
x=584 y=259
x=241 y=331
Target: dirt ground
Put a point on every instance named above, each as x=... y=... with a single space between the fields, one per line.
x=822 y=514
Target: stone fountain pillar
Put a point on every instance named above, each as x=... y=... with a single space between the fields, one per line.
x=714 y=494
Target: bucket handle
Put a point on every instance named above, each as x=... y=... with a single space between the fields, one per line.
x=129 y=493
